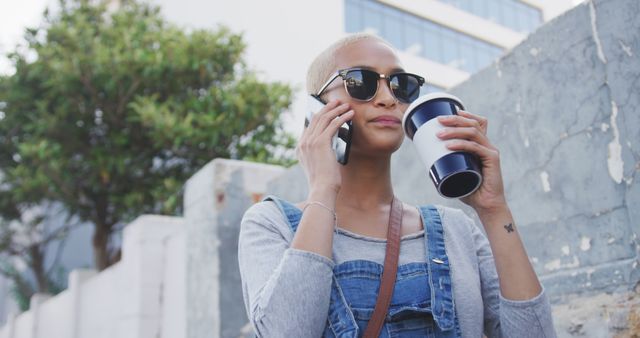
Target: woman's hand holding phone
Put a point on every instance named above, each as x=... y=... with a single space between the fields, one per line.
x=318 y=160
x=315 y=151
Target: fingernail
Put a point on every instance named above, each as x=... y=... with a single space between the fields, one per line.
x=441 y=132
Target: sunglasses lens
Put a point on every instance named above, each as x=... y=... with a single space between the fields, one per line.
x=406 y=87
x=361 y=84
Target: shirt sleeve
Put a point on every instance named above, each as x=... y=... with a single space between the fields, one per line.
x=503 y=317
x=286 y=291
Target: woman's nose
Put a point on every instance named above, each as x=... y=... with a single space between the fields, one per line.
x=384 y=97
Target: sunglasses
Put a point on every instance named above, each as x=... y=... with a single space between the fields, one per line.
x=362 y=84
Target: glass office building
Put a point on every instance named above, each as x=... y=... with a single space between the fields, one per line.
x=514 y=14
x=417 y=35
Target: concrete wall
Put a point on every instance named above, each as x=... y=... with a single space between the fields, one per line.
x=215 y=200
x=178 y=276
x=123 y=301
x=563 y=108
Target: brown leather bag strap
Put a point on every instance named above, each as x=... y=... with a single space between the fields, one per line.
x=389 y=271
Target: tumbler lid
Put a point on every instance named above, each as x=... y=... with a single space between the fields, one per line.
x=424 y=98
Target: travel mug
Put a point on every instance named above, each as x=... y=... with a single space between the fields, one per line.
x=455 y=174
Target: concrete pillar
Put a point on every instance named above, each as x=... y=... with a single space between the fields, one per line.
x=142 y=271
x=174 y=290
x=76 y=279
x=215 y=200
x=9 y=329
x=34 y=307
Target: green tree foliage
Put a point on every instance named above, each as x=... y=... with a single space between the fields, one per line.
x=109 y=111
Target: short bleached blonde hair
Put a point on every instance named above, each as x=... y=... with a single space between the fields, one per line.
x=324 y=65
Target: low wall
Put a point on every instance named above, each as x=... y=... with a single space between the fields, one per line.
x=178 y=276
x=122 y=301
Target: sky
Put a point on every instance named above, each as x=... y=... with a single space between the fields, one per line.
x=15 y=16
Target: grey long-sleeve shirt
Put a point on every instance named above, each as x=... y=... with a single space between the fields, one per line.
x=286 y=291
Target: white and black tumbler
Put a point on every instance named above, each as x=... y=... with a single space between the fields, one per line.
x=455 y=173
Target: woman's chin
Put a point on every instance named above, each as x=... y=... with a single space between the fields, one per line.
x=379 y=146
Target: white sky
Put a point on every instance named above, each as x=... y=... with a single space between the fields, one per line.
x=15 y=16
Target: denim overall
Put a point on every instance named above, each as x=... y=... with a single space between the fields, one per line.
x=422 y=302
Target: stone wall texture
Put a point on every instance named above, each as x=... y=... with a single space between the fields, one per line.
x=564 y=111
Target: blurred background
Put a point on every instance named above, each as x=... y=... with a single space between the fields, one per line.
x=190 y=109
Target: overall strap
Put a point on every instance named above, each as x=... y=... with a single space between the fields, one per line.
x=442 y=303
x=291 y=212
x=389 y=271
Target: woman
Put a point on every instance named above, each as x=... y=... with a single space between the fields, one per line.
x=313 y=268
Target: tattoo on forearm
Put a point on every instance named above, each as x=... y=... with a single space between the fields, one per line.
x=509 y=227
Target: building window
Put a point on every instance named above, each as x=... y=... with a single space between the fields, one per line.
x=419 y=36
x=429 y=88
x=513 y=14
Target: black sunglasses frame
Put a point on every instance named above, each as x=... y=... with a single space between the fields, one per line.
x=344 y=72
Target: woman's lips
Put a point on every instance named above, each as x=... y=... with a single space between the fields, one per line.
x=386 y=120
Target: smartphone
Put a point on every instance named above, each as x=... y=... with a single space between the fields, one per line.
x=341 y=141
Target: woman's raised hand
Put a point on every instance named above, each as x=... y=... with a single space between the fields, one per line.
x=314 y=150
x=468 y=132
